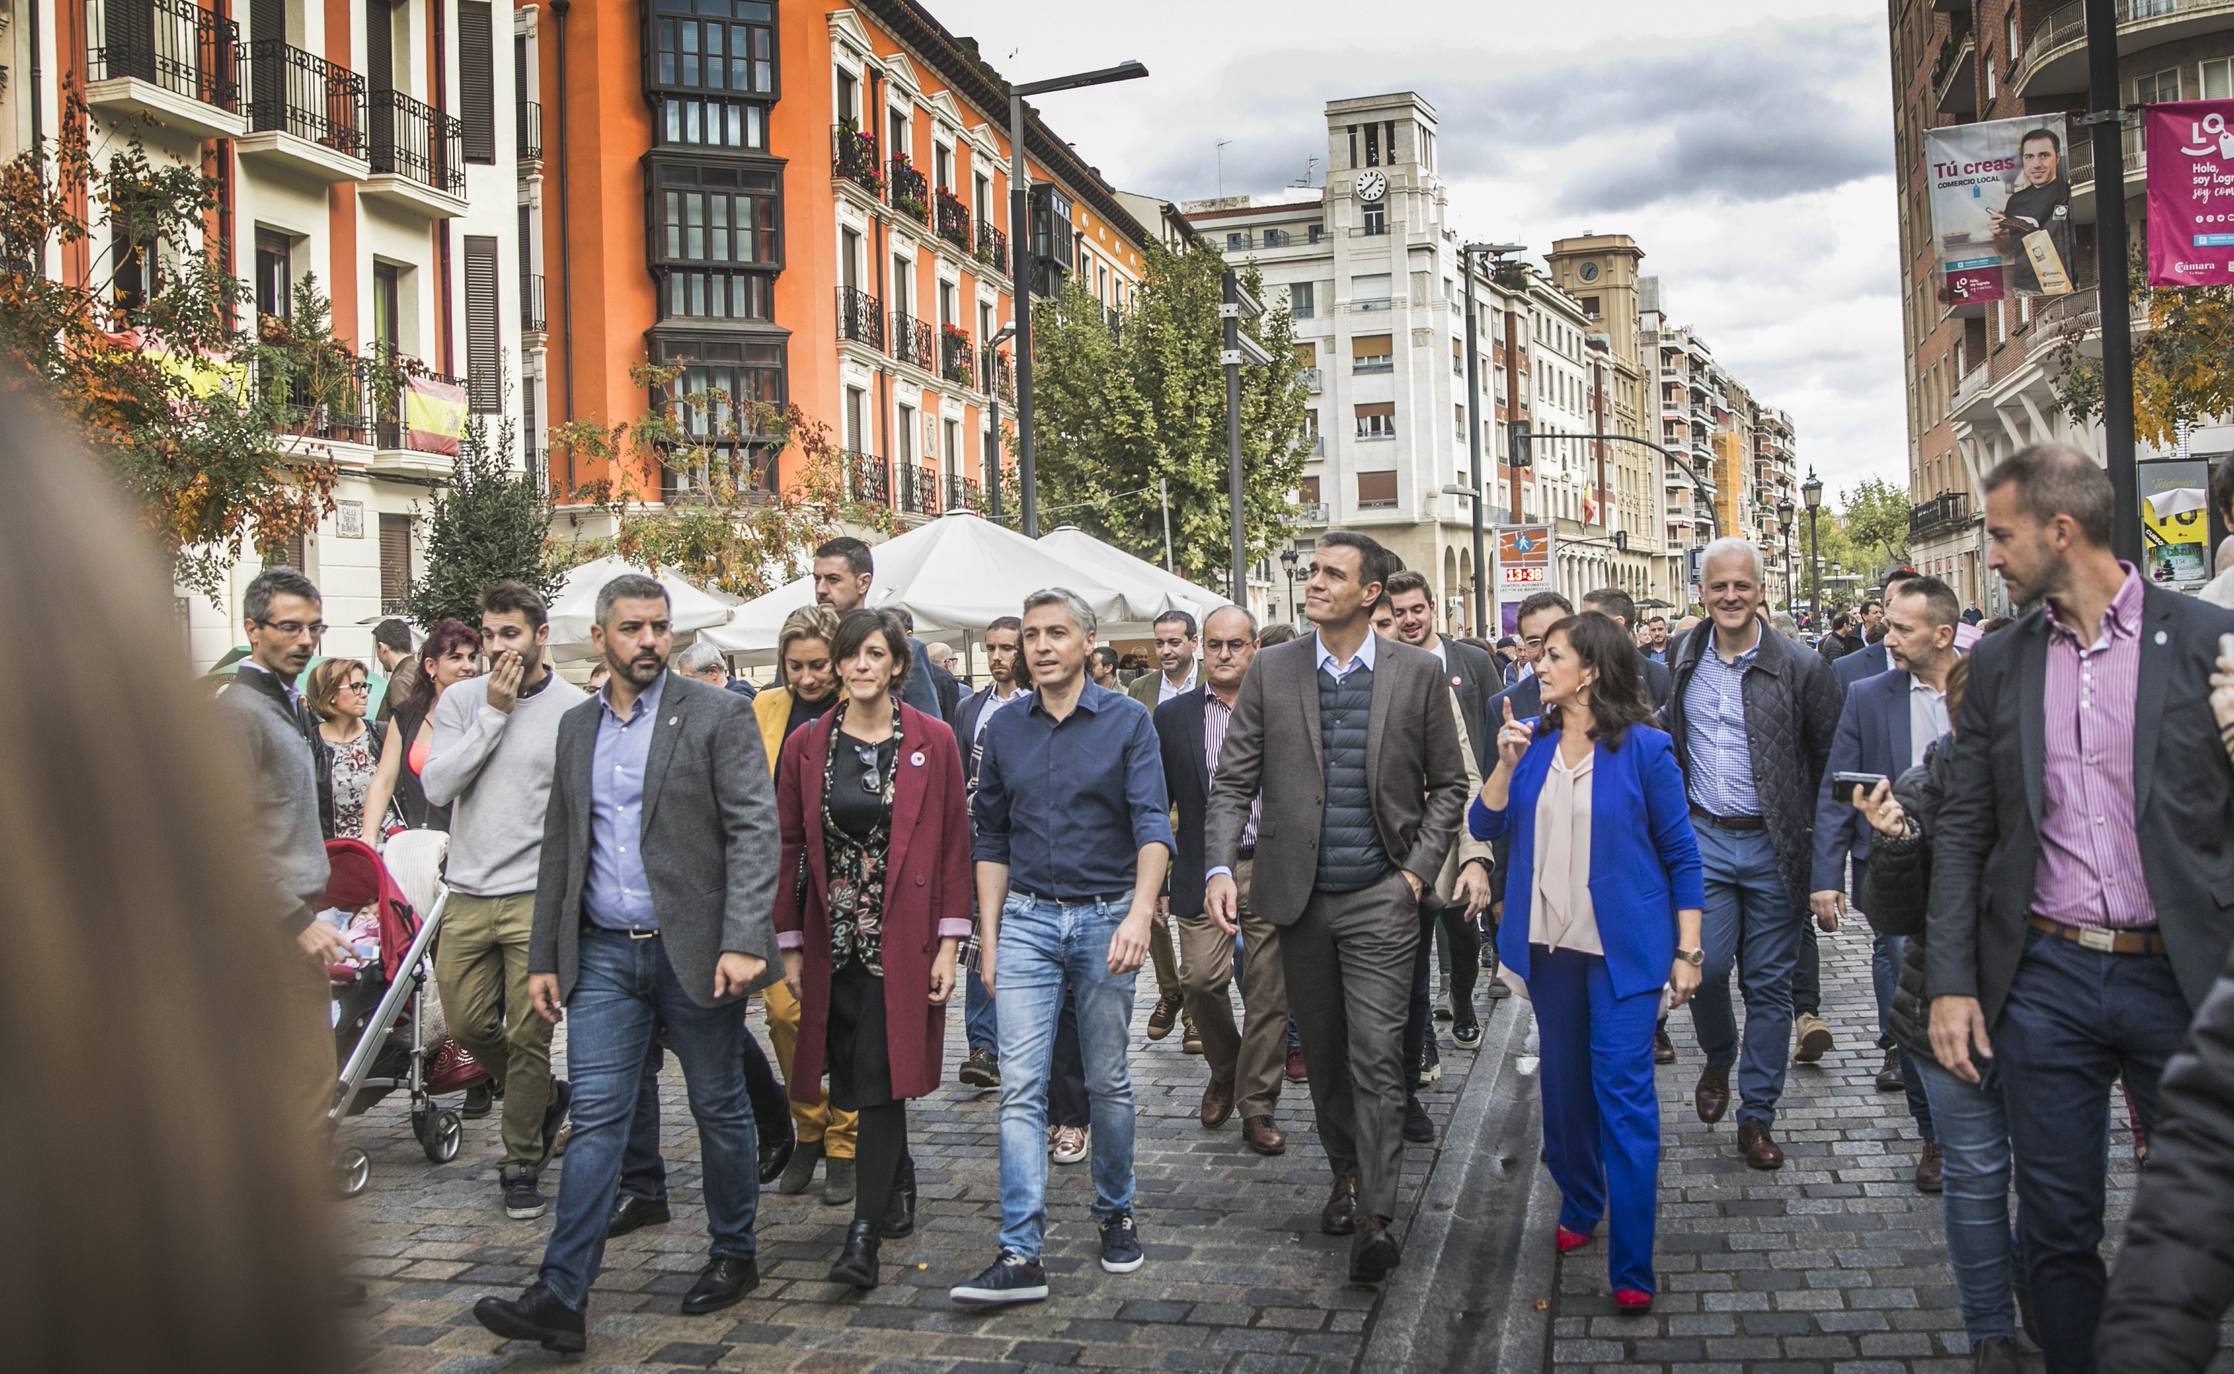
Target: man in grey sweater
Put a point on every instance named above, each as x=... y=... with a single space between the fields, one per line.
x=495 y=748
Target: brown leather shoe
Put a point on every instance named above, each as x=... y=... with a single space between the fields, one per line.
x=1931 y=1169
x=1759 y=1149
x=1712 y=1096
x=1263 y=1136
x=1663 y=1049
x=1339 y=1216
x=1217 y=1105
x=1374 y=1253
x=1164 y=1016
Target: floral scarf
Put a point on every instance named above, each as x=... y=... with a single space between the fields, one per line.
x=855 y=867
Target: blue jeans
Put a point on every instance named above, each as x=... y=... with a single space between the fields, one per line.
x=1041 y=945
x=2076 y=1019
x=1601 y=1109
x=1752 y=921
x=643 y=1172
x=624 y=991
x=1974 y=1133
x=980 y=1024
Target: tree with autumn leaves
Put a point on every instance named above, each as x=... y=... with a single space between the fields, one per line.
x=2183 y=360
x=210 y=418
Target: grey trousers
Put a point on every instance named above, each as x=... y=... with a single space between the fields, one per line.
x=1349 y=964
x=1247 y=1058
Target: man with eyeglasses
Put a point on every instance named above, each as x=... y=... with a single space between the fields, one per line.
x=1244 y=1063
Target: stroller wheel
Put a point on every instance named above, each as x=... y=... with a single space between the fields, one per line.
x=352 y=1170
x=442 y=1135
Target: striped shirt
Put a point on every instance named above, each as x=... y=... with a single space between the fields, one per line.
x=1721 y=754
x=2089 y=872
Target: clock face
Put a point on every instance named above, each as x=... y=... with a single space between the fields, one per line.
x=1590 y=271
x=1371 y=186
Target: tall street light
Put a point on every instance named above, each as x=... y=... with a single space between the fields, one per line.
x=1812 y=491
x=1466 y=254
x=1020 y=256
x=1288 y=558
x=1784 y=510
x=993 y=415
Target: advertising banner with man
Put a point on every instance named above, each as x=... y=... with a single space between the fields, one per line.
x=2191 y=192
x=2001 y=209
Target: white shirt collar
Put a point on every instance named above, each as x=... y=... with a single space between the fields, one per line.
x=1366 y=654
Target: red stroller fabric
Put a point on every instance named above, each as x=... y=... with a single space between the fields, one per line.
x=356 y=878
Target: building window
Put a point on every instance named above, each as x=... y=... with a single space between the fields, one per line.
x=484 y=358
x=904 y=433
x=1372 y=145
x=1276 y=238
x=849 y=98
x=983 y=205
x=1236 y=242
x=2218 y=79
x=477 y=79
x=1376 y=420
x=942 y=166
x=1318 y=231
x=1590 y=307
x=275 y=274
x=1353 y=145
x=1372 y=353
x=395 y=561
x=951 y=431
x=715 y=214
x=1307 y=491
x=1376 y=490
x=1376 y=220
x=2157 y=86
x=702 y=122
x=1302 y=300
x=727 y=46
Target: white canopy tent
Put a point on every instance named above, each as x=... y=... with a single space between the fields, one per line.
x=1149 y=590
x=575 y=607
x=955 y=574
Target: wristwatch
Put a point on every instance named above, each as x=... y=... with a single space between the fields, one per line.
x=1696 y=958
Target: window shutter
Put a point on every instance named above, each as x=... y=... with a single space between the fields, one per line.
x=477 y=78
x=1376 y=489
x=395 y=562
x=482 y=359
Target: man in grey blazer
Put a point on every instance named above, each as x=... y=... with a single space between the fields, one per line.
x=1354 y=828
x=652 y=911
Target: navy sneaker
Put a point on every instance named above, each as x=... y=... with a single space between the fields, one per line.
x=1120 y=1244
x=1010 y=1279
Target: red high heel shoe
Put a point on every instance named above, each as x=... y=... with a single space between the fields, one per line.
x=1631 y=1302
x=1568 y=1240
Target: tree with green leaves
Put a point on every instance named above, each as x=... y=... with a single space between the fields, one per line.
x=725 y=522
x=1874 y=518
x=2183 y=359
x=213 y=420
x=1121 y=406
x=492 y=523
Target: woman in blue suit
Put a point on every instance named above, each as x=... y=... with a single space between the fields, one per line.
x=1602 y=909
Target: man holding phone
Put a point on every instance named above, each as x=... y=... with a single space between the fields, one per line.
x=1887 y=723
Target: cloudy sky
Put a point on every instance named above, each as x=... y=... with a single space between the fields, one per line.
x=1746 y=146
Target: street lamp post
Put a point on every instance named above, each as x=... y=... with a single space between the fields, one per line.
x=1287 y=561
x=993 y=412
x=1466 y=254
x=1020 y=259
x=1812 y=491
x=1784 y=510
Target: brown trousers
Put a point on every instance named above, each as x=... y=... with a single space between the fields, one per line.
x=1248 y=1059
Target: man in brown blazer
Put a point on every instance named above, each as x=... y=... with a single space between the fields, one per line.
x=1353 y=828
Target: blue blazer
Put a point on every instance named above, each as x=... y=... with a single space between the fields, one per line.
x=1644 y=859
x=1872 y=737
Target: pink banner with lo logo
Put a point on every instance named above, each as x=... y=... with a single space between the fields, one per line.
x=2191 y=192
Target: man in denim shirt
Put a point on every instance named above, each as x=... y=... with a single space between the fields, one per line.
x=1072 y=843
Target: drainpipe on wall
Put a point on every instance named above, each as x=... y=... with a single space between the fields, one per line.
x=566 y=238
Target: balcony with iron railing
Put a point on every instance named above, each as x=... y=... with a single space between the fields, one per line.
x=1954 y=73
x=919 y=489
x=853 y=158
x=868 y=479
x=964 y=493
x=911 y=190
x=171 y=60
x=304 y=112
x=533 y=320
x=529 y=115
x=911 y=341
x=992 y=248
x=957 y=359
x=999 y=373
x=388 y=402
x=860 y=317
x=954 y=220
x=1945 y=511
x=417 y=155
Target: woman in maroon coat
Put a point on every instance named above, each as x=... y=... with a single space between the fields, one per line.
x=876 y=839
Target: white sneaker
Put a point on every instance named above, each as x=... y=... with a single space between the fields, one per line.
x=1069 y=1144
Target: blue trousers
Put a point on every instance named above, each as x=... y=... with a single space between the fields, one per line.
x=980 y=1023
x=1753 y=922
x=1601 y=1109
x=1974 y=1131
x=624 y=991
x=2076 y=1019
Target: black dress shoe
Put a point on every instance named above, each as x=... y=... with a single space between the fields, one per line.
x=858 y=1265
x=775 y=1152
x=1418 y=1127
x=536 y=1315
x=1373 y=1251
x=720 y=1284
x=899 y=1209
x=1339 y=1216
x=631 y=1212
x=480 y=1100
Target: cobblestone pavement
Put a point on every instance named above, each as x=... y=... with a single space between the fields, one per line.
x=1238 y=1277
x=1833 y=1263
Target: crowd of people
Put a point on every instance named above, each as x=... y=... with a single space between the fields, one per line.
x=1614 y=815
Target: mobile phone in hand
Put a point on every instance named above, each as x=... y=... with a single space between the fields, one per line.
x=1854 y=787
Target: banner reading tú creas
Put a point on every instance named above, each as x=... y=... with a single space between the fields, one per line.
x=2191 y=192
x=2001 y=208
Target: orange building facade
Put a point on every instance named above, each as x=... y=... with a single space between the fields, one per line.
x=793 y=206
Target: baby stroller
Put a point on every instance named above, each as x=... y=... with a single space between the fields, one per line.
x=385 y=1031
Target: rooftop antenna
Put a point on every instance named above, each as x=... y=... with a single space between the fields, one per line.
x=1310 y=171
x=1222 y=167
